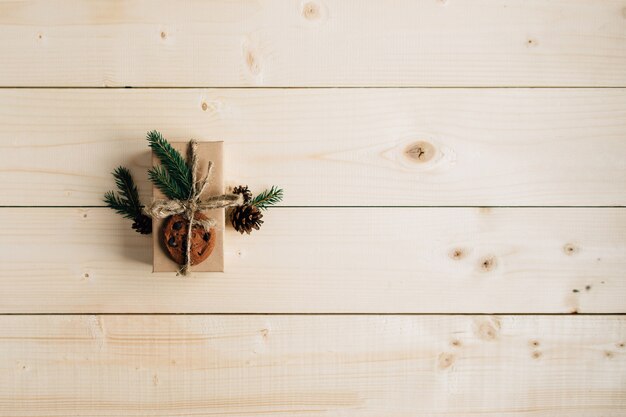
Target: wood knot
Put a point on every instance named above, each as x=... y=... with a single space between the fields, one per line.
x=420 y=151
x=311 y=11
x=445 y=360
x=204 y=106
x=608 y=354
x=488 y=329
x=253 y=63
x=536 y=354
x=570 y=249
x=456 y=343
x=531 y=43
x=457 y=254
x=163 y=35
x=488 y=264
x=534 y=343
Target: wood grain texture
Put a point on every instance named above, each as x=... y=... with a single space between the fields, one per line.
x=385 y=147
x=362 y=366
x=328 y=147
x=372 y=260
x=313 y=43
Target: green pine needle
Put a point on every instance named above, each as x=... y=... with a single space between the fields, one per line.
x=173 y=178
x=268 y=198
x=127 y=202
x=126 y=186
x=164 y=182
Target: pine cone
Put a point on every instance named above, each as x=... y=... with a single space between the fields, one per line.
x=245 y=218
x=245 y=192
x=143 y=224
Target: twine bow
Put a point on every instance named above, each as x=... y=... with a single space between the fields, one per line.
x=188 y=208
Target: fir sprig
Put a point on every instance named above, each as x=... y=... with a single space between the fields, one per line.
x=268 y=198
x=127 y=202
x=173 y=177
x=164 y=182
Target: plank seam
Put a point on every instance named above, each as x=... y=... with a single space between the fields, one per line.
x=357 y=207
x=415 y=87
x=312 y=314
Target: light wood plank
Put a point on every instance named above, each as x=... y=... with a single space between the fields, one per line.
x=313 y=43
x=328 y=147
x=365 y=366
x=450 y=260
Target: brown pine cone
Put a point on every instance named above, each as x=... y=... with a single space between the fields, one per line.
x=143 y=224
x=245 y=218
x=245 y=192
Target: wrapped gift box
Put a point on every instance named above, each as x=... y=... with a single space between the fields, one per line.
x=207 y=151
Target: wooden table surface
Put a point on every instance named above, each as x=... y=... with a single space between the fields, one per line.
x=452 y=241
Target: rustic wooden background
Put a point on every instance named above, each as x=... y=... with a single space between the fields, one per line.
x=452 y=241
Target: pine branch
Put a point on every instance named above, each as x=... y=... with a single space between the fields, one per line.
x=127 y=203
x=268 y=198
x=175 y=174
x=118 y=205
x=127 y=188
x=164 y=182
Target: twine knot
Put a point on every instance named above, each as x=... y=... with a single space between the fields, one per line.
x=189 y=207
